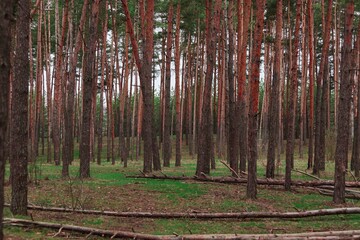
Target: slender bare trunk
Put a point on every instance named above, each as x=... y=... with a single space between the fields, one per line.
x=167 y=119
x=274 y=102
x=342 y=138
x=177 y=88
x=88 y=82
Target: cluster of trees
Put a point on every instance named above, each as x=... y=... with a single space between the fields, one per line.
x=85 y=69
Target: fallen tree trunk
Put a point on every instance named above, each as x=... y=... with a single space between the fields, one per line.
x=203 y=215
x=132 y=235
x=80 y=229
x=275 y=182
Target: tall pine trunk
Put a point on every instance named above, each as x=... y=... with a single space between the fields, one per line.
x=167 y=117
x=19 y=113
x=342 y=138
x=233 y=137
x=243 y=29
x=88 y=82
x=177 y=89
x=6 y=18
x=57 y=88
x=205 y=149
x=291 y=111
x=310 y=12
x=322 y=80
x=274 y=98
x=251 y=189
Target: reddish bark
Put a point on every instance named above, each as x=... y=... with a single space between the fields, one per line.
x=254 y=99
x=243 y=29
x=205 y=150
x=145 y=71
x=57 y=88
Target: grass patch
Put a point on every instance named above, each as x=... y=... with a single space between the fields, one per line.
x=110 y=189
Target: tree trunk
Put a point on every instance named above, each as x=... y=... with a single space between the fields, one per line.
x=342 y=138
x=167 y=117
x=88 y=82
x=336 y=65
x=310 y=12
x=177 y=88
x=122 y=104
x=291 y=111
x=38 y=100
x=251 y=190
x=6 y=18
x=145 y=72
x=319 y=161
x=48 y=86
x=233 y=137
x=57 y=90
x=304 y=63
x=104 y=69
x=68 y=121
x=243 y=29
x=274 y=98
x=205 y=149
x=19 y=112
x=356 y=148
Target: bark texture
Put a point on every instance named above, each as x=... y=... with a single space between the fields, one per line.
x=167 y=117
x=243 y=28
x=342 y=139
x=233 y=136
x=88 y=82
x=205 y=149
x=274 y=95
x=6 y=19
x=291 y=111
x=251 y=189
x=322 y=92
x=19 y=112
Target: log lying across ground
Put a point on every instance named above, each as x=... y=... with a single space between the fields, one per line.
x=276 y=182
x=131 y=235
x=203 y=215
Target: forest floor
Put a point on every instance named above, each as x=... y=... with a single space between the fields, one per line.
x=110 y=189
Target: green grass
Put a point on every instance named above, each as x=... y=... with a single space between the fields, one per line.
x=110 y=189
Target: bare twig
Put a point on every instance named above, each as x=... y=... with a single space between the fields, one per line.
x=60 y=230
x=352 y=175
x=232 y=170
x=307 y=174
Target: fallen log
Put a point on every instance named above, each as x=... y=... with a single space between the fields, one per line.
x=261 y=181
x=204 y=215
x=79 y=229
x=132 y=235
